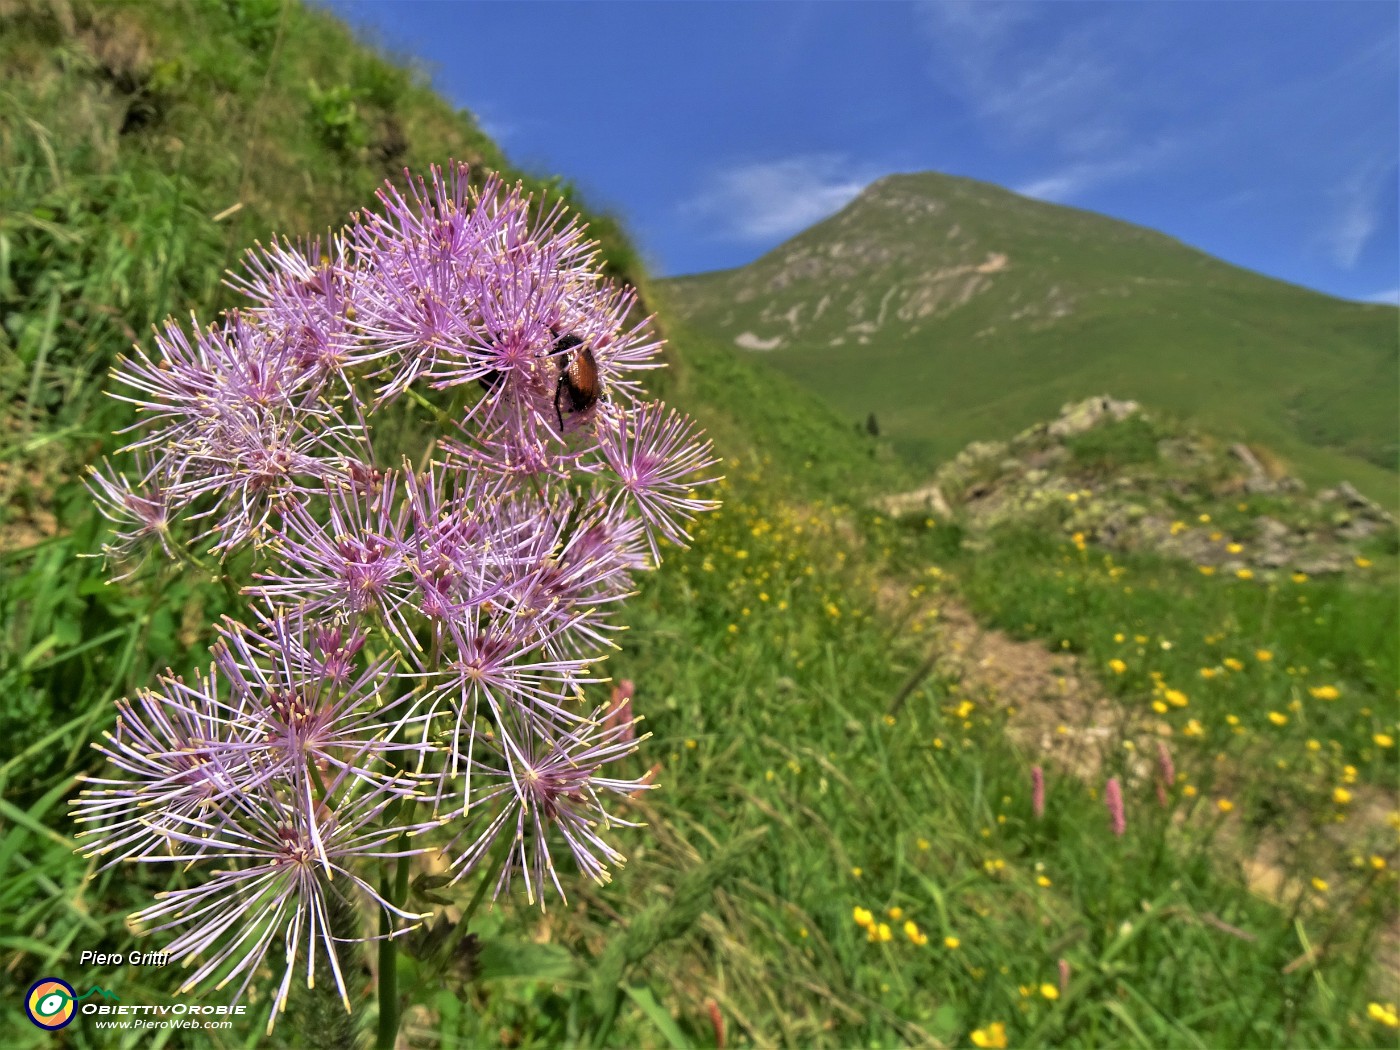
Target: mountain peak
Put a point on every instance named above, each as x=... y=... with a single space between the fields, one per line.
x=956 y=309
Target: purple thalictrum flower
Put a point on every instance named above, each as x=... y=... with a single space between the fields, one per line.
x=658 y=460
x=428 y=625
x=499 y=670
x=354 y=563
x=295 y=708
x=306 y=293
x=536 y=785
x=141 y=510
x=289 y=869
x=169 y=761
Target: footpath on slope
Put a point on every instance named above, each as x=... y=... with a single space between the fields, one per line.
x=1056 y=710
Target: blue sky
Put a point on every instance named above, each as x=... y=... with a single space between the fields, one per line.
x=1265 y=133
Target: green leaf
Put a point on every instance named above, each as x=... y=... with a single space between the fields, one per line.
x=656 y=1013
x=503 y=960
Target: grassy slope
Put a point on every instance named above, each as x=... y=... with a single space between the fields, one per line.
x=1105 y=307
x=762 y=660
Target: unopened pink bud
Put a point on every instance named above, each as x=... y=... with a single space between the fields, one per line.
x=1037 y=792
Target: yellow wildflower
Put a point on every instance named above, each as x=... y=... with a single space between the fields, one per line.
x=1341 y=796
x=1384 y=740
x=993 y=1037
x=1233 y=664
x=1386 y=1015
x=864 y=916
x=1224 y=805
x=1362 y=563
x=1245 y=574
x=1324 y=692
x=1043 y=881
x=1263 y=655
x=1300 y=577
x=1206 y=570
x=951 y=943
x=896 y=913
x=1278 y=718
x=1175 y=697
x=916 y=935
x=1208 y=673
x=1050 y=991
x=1320 y=885
x=1117 y=666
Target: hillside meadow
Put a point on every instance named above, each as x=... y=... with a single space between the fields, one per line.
x=854 y=839
x=958 y=311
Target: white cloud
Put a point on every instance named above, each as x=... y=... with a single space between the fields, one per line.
x=775 y=199
x=1068 y=182
x=1391 y=297
x=1357 y=214
x=1024 y=76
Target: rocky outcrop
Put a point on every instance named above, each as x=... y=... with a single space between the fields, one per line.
x=1106 y=471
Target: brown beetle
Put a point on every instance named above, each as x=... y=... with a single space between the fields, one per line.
x=580 y=386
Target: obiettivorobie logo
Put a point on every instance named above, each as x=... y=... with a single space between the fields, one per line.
x=52 y=1003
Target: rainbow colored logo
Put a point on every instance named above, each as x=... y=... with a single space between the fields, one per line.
x=49 y=1003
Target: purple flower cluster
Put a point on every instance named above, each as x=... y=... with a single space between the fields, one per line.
x=425 y=611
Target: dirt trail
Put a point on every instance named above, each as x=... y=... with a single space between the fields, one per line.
x=1054 y=709
x=1057 y=712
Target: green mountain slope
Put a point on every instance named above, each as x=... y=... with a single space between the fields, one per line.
x=956 y=310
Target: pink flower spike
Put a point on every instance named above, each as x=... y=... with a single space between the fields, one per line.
x=1113 y=799
x=1037 y=792
x=1166 y=774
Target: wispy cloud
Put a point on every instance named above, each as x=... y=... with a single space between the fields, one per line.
x=772 y=199
x=1072 y=180
x=1029 y=77
x=1391 y=297
x=1357 y=213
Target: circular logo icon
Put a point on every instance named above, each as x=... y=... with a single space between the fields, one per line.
x=49 y=1003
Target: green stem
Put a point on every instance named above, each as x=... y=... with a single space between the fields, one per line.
x=395 y=891
x=388 y=977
